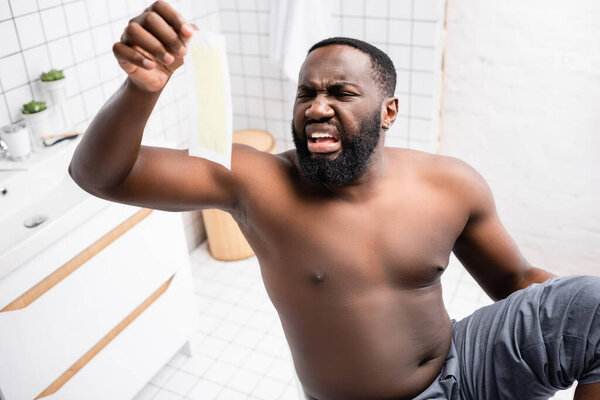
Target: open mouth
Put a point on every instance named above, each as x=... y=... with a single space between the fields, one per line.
x=320 y=142
x=322 y=138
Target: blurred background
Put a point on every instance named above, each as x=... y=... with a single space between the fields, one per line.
x=512 y=88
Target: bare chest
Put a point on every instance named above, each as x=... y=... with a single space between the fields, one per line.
x=402 y=244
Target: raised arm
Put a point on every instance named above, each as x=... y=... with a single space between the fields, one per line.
x=110 y=161
x=484 y=247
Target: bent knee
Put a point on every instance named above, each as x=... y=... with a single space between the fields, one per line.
x=578 y=296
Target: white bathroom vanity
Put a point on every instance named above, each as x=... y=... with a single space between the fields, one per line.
x=93 y=301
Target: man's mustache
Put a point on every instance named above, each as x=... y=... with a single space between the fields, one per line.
x=327 y=121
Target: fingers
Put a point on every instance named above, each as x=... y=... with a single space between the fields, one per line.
x=136 y=35
x=173 y=18
x=157 y=27
x=130 y=59
x=159 y=31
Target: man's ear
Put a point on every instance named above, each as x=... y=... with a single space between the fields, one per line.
x=389 y=112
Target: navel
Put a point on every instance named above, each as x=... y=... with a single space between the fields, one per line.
x=426 y=360
x=317 y=276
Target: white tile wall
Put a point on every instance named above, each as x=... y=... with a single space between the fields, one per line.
x=20 y=7
x=13 y=71
x=411 y=35
x=4 y=10
x=10 y=42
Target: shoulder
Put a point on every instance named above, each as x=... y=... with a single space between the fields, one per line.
x=258 y=170
x=246 y=160
x=453 y=177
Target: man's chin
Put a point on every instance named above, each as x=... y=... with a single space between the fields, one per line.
x=325 y=156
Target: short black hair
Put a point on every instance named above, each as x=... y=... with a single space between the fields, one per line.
x=384 y=72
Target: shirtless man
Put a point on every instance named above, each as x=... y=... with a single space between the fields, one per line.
x=352 y=237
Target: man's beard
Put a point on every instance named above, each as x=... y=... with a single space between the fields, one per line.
x=353 y=160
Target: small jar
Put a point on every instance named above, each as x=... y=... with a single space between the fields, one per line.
x=17 y=140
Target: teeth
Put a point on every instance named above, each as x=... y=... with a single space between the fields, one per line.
x=321 y=135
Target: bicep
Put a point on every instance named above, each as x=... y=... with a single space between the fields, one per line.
x=171 y=180
x=484 y=247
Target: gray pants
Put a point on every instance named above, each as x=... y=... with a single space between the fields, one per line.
x=526 y=347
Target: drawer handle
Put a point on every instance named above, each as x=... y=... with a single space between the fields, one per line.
x=73 y=369
x=61 y=273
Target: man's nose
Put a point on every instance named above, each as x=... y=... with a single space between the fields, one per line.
x=319 y=109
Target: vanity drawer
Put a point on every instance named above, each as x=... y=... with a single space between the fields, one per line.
x=41 y=341
x=124 y=366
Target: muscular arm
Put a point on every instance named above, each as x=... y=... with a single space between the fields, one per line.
x=484 y=247
x=110 y=161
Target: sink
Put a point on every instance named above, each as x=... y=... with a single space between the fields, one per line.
x=43 y=188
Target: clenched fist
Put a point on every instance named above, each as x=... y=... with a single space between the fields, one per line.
x=153 y=45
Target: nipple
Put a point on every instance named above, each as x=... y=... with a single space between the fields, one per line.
x=317 y=276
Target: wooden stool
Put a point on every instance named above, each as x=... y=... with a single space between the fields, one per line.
x=225 y=240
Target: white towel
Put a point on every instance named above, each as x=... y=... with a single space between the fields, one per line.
x=295 y=26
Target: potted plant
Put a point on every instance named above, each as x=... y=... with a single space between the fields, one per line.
x=54 y=84
x=35 y=114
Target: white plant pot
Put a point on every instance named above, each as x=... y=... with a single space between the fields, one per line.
x=56 y=91
x=56 y=97
x=39 y=126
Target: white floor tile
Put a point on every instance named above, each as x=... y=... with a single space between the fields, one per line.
x=219 y=309
x=220 y=372
x=258 y=362
x=231 y=394
x=212 y=346
x=281 y=370
x=268 y=388
x=271 y=344
x=244 y=381
x=239 y=314
x=291 y=393
x=147 y=392
x=235 y=354
x=249 y=337
x=162 y=376
x=164 y=394
x=261 y=321
x=252 y=300
x=198 y=364
x=181 y=382
x=207 y=323
x=226 y=330
x=204 y=390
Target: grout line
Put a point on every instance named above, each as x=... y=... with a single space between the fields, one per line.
x=22 y=57
x=262 y=74
x=242 y=55
x=96 y=54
